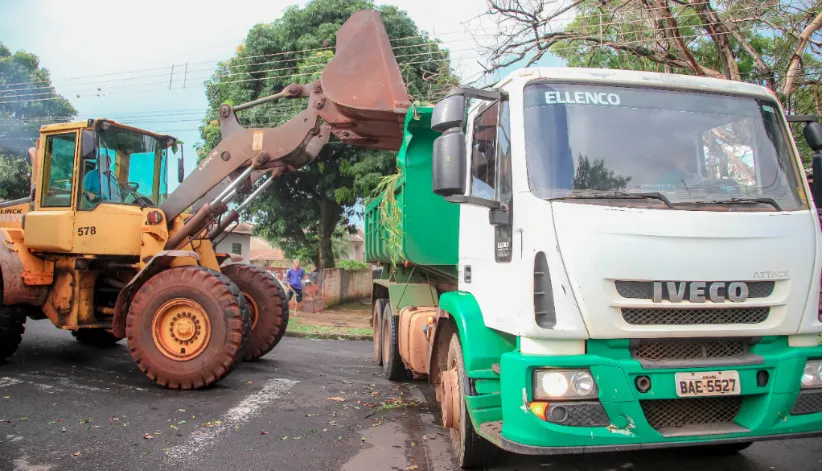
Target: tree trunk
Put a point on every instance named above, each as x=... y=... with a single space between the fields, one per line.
x=330 y=214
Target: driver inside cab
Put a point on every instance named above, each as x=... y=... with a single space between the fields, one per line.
x=682 y=168
x=100 y=184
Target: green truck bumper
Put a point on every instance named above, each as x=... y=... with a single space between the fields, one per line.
x=764 y=409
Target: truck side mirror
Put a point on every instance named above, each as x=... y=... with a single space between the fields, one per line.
x=812 y=134
x=449 y=150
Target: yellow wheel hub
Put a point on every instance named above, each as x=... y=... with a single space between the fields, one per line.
x=253 y=309
x=181 y=329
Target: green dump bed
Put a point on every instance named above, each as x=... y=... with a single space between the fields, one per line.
x=429 y=224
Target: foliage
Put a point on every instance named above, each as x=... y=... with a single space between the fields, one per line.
x=15 y=173
x=301 y=212
x=774 y=43
x=390 y=215
x=353 y=265
x=22 y=81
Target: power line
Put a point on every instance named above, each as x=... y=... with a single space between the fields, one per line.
x=425 y=36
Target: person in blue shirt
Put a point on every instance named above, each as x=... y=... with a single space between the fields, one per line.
x=102 y=186
x=294 y=278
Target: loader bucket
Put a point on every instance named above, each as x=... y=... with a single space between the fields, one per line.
x=364 y=83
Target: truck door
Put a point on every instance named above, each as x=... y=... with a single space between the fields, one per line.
x=51 y=226
x=485 y=250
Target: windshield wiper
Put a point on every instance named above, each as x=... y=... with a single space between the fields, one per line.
x=621 y=195
x=739 y=200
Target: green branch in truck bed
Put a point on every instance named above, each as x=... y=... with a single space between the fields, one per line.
x=390 y=215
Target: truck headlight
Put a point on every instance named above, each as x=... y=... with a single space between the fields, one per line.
x=811 y=378
x=564 y=384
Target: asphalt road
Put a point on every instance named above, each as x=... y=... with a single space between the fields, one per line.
x=65 y=406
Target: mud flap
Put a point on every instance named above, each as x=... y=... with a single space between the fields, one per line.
x=15 y=291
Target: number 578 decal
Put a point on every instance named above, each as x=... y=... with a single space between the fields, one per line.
x=86 y=230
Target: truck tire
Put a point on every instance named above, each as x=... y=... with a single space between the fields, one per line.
x=11 y=330
x=470 y=449
x=393 y=367
x=268 y=307
x=101 y=338
x=187 y=327
x=377 y=328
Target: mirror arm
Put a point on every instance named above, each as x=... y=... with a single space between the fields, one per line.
x=474 y=200
x=489 y=95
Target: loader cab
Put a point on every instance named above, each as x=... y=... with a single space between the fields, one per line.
x=95 y=177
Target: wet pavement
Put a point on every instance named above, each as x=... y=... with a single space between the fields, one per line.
x=308 y=405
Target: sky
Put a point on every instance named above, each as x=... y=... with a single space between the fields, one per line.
x=144 y=63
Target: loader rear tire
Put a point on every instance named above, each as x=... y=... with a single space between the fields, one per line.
x=268 y=307
x=100 y=338
x=187 y=327
x=11 y=330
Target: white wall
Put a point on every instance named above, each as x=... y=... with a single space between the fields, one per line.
x=226 y=245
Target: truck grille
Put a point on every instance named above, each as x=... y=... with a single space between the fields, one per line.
x=658 y=351
x=643 y=289
x=664 y=316
x=808 y=402
x=676 y=413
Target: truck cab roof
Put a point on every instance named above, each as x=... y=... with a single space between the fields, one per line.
x=636 y=78
x=88 y=123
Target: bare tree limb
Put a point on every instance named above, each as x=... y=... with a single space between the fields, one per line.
x=794 y=66
x=675 y=34
x=718 y=32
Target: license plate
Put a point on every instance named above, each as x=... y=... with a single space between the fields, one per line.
x=710 y=383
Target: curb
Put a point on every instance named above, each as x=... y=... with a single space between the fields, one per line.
x=325 y=336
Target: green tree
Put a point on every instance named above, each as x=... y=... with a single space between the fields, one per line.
x=776 y=44
x=27 y=100
x=301 y=212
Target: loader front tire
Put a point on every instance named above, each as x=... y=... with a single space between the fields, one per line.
x=100 y=338
x=187 y=327
x=268 y=307
x=11 y=330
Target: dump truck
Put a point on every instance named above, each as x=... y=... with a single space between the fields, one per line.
x=589 y=260
x=101 y=248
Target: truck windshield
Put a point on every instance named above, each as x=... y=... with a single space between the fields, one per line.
x=587 y=141
x=130 y=168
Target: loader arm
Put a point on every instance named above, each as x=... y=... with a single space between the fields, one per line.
x=360 y=98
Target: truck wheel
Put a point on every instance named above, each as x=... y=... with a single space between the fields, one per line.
x=393 y=367
x=377 y=328
x=268 y=307
x=96 y=337
x=187 y=327
x=470 y=449
x=11 y=330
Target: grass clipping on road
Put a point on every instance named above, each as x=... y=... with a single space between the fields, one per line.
x=299 y=328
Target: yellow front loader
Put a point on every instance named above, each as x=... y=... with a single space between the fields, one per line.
x=102 y=249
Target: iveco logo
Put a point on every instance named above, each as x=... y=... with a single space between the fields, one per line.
x=700 y=291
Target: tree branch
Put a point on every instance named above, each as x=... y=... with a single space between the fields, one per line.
x=718 y=32
x=794 y=66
